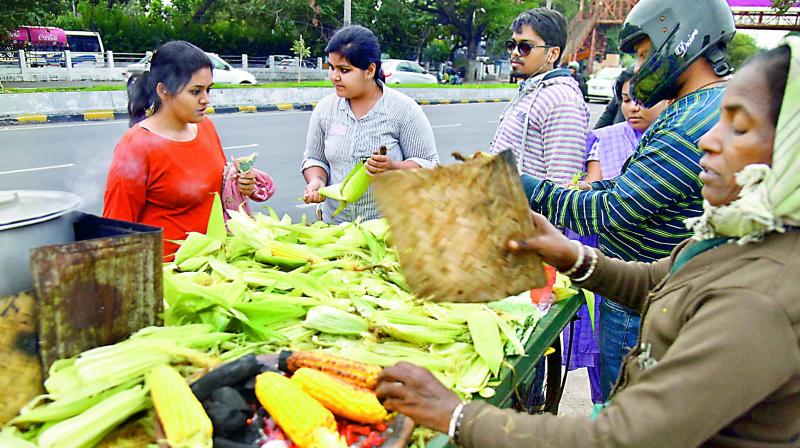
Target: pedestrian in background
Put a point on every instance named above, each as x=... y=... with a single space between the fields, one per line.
x=575 y=72
x=167 y=166
x=350 y=125
x=545 y=124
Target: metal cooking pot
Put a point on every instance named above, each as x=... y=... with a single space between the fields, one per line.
x=29 y=219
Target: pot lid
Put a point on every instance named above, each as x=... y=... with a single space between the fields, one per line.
x=24 y=207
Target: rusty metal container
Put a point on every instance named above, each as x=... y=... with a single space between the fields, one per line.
x=98 y=289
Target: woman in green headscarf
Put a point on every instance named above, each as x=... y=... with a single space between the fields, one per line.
x=718 y=360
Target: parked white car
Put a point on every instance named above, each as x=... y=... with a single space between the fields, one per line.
x=601 y=85
x=400 y=71
x=224 y=73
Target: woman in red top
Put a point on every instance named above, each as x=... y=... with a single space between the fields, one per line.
x=167 y=166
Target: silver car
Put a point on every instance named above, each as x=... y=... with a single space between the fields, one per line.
x=401 y=71
x=223 y=72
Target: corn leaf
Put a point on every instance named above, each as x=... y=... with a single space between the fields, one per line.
x=216 y=221
x=486 y=338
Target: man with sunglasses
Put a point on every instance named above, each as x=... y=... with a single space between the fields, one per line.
x=680 y=47
x=545 y=125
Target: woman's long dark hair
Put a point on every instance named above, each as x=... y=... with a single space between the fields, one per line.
x=173 y=65
x=359 y=46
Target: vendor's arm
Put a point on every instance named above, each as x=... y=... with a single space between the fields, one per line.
x=628 y=282
x=661 y=175
x=126 y=185
x=714 y=372
x=689 y=395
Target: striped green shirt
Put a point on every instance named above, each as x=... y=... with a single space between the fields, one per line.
x=640 y=214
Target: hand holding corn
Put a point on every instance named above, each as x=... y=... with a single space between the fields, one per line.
x=379 y=163
x=415 y=392
x=555 y=248
x=311 y=193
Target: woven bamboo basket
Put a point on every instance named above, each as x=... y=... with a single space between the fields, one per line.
x=451 y=225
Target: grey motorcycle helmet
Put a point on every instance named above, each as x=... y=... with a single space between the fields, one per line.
x=681 y=31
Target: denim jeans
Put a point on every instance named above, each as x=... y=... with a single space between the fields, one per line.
x=619 y=332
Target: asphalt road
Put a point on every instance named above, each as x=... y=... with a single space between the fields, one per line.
x=75 y=157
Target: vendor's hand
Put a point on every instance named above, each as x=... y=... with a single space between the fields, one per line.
x=555 y=249
x=378 y=164
x=415 y=392
x=246 y=182
x=311 y=194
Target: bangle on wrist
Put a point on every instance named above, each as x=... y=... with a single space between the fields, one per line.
x=455 y=420
x=591 y=267
x=578 y=261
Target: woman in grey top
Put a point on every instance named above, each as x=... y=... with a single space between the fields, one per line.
x=351 y=126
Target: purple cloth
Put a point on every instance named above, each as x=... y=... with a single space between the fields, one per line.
x=612 y=146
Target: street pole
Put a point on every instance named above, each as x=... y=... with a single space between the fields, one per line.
x=549 y=4
x=347 y=12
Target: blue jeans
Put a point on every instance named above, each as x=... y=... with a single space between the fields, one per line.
x=619 y=333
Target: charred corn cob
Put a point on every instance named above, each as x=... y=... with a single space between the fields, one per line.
x=341 y=398
x=302 y=418
x=182 y=416
x=356 y=373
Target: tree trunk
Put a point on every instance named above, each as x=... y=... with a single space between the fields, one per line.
x=472 y=55
x=199 y=15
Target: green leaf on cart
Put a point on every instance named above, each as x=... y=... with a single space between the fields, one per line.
x=590 y=305
x=216 y=221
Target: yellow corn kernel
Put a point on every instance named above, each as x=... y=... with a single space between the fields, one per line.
x=300 y=416
x=182 y=417
x=356 y=373
x=341 y=398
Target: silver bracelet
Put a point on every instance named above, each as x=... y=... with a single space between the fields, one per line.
x=578 y=261
x=592 y=266
x=451 y=429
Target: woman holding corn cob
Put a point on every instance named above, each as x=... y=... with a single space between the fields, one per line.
x=718 y=359
x=349 y=127
x=167 y=165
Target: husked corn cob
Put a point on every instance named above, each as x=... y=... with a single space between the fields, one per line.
x=341 y=398
x=183 y=418
x=356 y=373
x=302 y=418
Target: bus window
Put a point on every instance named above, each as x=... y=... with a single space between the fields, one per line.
x=86 y=48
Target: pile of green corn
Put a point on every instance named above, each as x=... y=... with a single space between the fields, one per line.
x=266 y=284
x=338 y=288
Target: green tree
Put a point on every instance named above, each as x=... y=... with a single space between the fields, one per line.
x=740 y=49
x=783 y=5
x=472 y=21
x=301 y=51
x=24 y=12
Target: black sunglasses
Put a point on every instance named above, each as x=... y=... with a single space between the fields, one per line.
x=523 y=47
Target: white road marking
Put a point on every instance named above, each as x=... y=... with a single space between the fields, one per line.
x=41 y=168
x=253 y=145
x=305 y=205
x=493 y=121
x=455 y=125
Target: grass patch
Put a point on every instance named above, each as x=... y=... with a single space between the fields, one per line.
x=270 y=85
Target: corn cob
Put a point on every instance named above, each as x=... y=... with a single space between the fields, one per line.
x=182 y=416
x=343 y=399
x=301 y=417
x=356 y=373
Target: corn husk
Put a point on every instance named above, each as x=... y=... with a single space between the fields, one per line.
x=451 y=226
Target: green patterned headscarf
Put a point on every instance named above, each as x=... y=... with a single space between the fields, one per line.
x=769 y=200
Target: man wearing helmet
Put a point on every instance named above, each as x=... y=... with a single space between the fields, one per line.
x=680 y=48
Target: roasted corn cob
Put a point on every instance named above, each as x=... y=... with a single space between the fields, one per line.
x=307 y=422
x=356 y=373
x=185 y=422
x=341 y=398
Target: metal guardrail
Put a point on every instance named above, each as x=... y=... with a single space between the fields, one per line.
x=125 y=59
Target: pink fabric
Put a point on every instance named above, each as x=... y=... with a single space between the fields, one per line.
x=232 y=199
